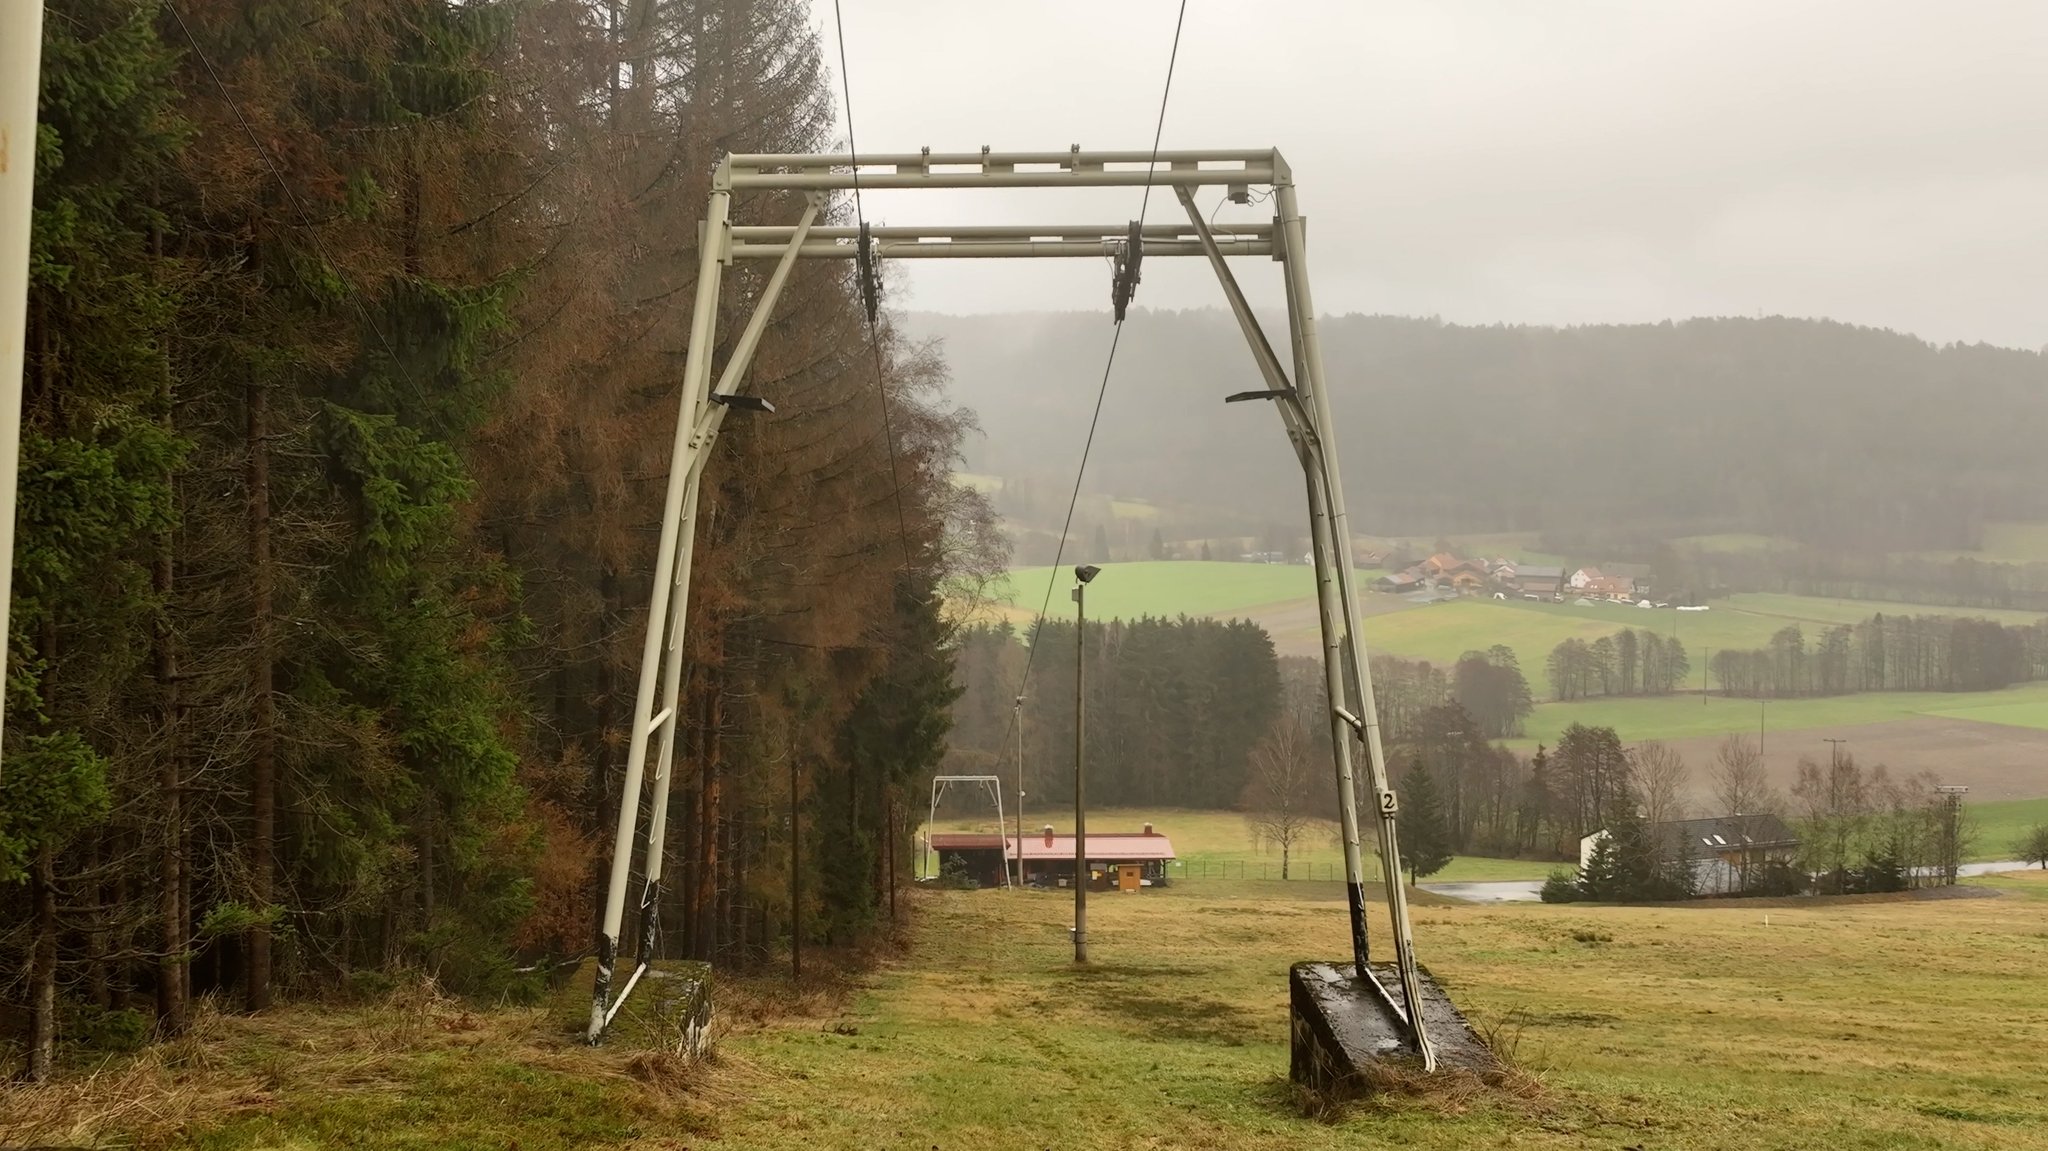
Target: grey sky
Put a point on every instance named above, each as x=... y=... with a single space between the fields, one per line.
x=1883 y=162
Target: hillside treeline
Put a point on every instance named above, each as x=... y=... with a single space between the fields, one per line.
x=1606 y=438
x=1629 y=662
x=1959 y=581
x=1887 y=653
x=1174 y=709
x=354 y=337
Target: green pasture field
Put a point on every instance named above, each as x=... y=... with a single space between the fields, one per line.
x=1686 y=717
x=1999 y=826
x=1822 y=1026
x=1168 y=588
x=1217 y=844
x=1847 y=1025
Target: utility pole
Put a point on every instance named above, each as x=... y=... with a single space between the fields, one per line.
x=1082 y=574
x=1019 y=725
x=1834 y=752
x=21 y=50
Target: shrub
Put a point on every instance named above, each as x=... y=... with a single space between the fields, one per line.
x=109 y=1029
x=1562 y=887
x=953 y=875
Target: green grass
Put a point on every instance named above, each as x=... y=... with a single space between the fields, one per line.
x=1727 y=542
x=1680 y=1029
x=1684 y=716
x=1859 y=1025
x=2000 y=825
x=2011 y=542
x=1167 y=588
x=2028 y=713
x=1219 y=844
x=1441 y=632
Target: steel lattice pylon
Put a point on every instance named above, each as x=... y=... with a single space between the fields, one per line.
x=1295 y=386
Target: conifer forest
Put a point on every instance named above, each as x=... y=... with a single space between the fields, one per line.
x=353 y=342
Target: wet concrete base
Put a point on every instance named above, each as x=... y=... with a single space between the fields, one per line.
x=1345 y=1038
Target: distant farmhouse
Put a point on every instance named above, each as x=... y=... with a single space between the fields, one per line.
x=1117 y=861
x=1538 y=580
x=1722 y=847
x=1449 y=575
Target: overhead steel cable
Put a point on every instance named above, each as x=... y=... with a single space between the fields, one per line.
x=870 y=289
x=1102 y=389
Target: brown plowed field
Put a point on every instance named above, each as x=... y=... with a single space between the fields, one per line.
x=1993 y=760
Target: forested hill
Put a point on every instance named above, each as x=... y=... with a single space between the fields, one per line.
x=1833 y=434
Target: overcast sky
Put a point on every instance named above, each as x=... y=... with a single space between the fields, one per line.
x=1883 y=162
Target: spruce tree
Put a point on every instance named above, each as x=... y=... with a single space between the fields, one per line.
x=1424 y=828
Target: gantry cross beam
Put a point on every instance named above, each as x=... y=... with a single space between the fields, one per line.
x=1294 y=383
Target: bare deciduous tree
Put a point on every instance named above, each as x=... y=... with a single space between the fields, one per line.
x=1661 y=779
x=1743 y=792
x=1280 y=802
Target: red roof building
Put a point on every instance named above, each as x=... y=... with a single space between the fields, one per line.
x=1119 y=860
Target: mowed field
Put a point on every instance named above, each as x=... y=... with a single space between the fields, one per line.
x=1993 y=741
x=1212 y=845
x=1221 y=843
x=1857 y=1025
x=1669 y=1028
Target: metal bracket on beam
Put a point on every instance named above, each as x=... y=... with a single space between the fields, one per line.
x=870 y=293
x=1130 y=259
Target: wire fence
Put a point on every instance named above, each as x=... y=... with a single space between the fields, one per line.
x=1317 y=871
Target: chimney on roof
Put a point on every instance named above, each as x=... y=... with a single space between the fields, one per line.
x=1148 y=829
x=1048 y=835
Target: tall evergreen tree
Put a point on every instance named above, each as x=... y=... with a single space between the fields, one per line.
x=1425 y=830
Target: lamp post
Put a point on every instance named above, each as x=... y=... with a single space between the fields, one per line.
x=1018 y=718
x=1083 y=574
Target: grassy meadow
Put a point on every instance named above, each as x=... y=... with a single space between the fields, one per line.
x=1999 y=826
x=1167 y=588
x=1220 y=843
x=1280 y=596
x=1688 y=716
x=1865 y=1023
x=1673 y=1028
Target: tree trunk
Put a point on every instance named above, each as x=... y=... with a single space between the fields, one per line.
x=263 y=744
x=43 y=970
x=713 y=815
x=172 y=974
x=426 y=843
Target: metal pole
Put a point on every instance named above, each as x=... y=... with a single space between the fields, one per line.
x=21 y=49
x=1295 y=230
x=1019 y=716
x=696 y=387
x=697 y=365
x=1080 y=808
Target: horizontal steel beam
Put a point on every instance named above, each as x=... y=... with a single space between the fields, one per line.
x=987 y=249
x=780 y=233
x=1087 y=178
x=1190 y=157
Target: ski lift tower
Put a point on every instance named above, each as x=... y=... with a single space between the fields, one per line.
x=1344 y=1014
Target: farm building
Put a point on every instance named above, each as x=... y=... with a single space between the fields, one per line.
x=1535 y=579
x=1117 y=861
x=1399 y=582
x=1721 y=847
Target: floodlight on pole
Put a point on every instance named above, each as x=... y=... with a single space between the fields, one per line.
x=1084 y=574
x=743 y=403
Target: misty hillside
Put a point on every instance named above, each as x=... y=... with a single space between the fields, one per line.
x=1829 y=433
